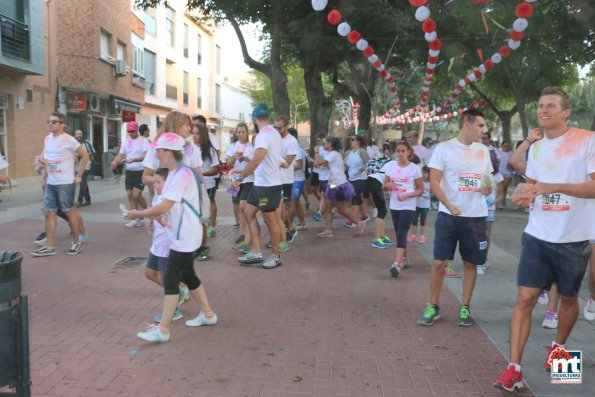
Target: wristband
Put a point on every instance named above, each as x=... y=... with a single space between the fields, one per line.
x=530 y=143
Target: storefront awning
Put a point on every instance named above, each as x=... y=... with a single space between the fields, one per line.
x=117 y=105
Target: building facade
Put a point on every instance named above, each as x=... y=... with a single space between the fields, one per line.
x=236 y=107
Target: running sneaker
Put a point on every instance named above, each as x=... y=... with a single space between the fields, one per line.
x=361 y=227
x=202 y=253
x=317 y=216
x=411 y=238
x=177 y=316
x=44 y=251
x=551 y=320
x=374 y=212
x=431 y=314
x=421 y=239
x=387 y=240
x=202 y=319
x=510 y=379
x=153 y=334
x=41 y=240
x=464 y=317
x=547 y=365
x=481 y=270
x=291 y=235
x=240 y=239
x=326 y=233
x=405 y=263
x=273 y=262
x=283 y=246
x=450 y=272
x=250 y=258
x=590 y=309
x=301 y=228
x=75 y=248
x=543 y=298
x=83 y=238
x=395 y=270
x=134 y=223
x=184 y=295
x=211 y=232
x=379 y=243
x=269 y=244
x=350 y=224
x=242 y=248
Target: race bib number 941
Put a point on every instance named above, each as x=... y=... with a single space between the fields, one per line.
x=469 y=182
x=555 y=202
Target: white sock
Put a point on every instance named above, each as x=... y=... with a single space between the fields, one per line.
x=517 y=367
x=555 y=344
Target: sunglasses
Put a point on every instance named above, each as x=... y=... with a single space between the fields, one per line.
x=54 y=122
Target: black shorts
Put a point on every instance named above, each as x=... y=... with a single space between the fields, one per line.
x=265 y=198
x=134 y=179
x=322 y=186
x=314 y=181
x=470 y=233
x=287 y=188
x=245 y=190
x=359 y=186
x=542 y=263
x=211 y=192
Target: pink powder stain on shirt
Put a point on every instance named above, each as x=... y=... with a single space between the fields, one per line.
x=573 y=141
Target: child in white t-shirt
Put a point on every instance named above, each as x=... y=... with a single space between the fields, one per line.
x=422 y=207
x=496 y=196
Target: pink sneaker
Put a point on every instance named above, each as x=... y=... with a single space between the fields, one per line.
x=421 y=239
x=411 y=238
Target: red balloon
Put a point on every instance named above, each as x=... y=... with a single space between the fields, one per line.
x=377 y=64
x=460 y=112
x=428 y=26
x=383 y=74
x=504 y=51
x=334 y=17
x=435 y=45
x=391 y=80
x=393 y=89
x=454 y=96
x=354 y=36
x=429 y=71
x=516 y=35
x=470 y=107
x=477 y=73
x=368 y=51
x=482 y=103
x=524 y=10
x=459 y=87
x=488 y=64
x=417 y=3
x=433 y=59
x=467 y=81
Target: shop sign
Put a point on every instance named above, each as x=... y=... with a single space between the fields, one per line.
x=77 y=101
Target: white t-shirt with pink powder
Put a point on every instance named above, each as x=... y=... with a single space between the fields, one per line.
x=160 y=246
x=134 y=149
x=403 y=179
x=59 y=152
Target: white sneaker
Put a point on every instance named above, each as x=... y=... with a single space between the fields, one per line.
x=153 y=334
x=543 y=298
x=481 y=270
x=551 y=320
x=273 y=262
x=184 y=295
x=201 y=320
x=133 y=223
x=374 y=212
x=590 y=310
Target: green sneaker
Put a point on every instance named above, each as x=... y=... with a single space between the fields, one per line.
x=211 y=232
x=239 y=239
x=431 y=314
x=242 y=247
x=387 y=241
x=202 y=254
x=464 y=317
x=283 y=246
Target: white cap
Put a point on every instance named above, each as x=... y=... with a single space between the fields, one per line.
x=169 y=141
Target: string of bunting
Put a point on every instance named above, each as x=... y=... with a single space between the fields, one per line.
x=430 y=117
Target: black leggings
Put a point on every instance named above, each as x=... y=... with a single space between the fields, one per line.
x=401 y=222
x=374 y=188
x=180 y=267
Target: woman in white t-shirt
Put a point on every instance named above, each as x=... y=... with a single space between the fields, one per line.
x=210 y=169
x=356 y=160
x=405 y=182
x=338 y=189
x=180 y=201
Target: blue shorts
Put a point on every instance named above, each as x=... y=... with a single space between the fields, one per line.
x=491 y=216
x=542 y=263
x=297 y=189
x=157 y=263
x=470 y=233
x=59 y=197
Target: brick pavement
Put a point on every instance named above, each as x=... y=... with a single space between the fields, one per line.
x=329 y=322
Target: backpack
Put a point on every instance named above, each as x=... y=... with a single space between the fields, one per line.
x=202 y=209
x=374 y=165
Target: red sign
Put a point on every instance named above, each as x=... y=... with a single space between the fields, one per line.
x=77 y=101
x=128 y=116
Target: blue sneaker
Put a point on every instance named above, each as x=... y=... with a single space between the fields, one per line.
x=379 y=243
x=177 y=316
x=317 y=216
x=387 y=240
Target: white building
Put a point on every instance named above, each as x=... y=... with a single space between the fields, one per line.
x=236 y=107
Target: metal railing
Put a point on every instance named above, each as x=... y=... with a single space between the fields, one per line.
x=14 y=38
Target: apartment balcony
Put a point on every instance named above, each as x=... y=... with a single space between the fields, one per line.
x=22 y=42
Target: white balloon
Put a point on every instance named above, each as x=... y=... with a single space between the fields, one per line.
x=462 y=83
x=422 y=13
x=361 y=44
x=520 y=24
x=482 y=69
x=425 y=88
x=434 y=53
x=431 y=36
x=373 y=58
x=429 y=75
x=496 y=58
x=319 y=5
x=380 y=68
x=438 y=109
x=456 y=91
x=513 y=44
x=343 y=29
x=471 y=77
x=431 y=65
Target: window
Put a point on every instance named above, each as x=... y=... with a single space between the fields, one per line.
x=105 y=44
x=149 y=64
x=217 y=98
x=170 y=25
x=198 y=93
x=171 y=89
x=218 y=59
x=3 y=119
x=120 y=51
x=185 y=41
x=185 y=82
x=29 y=95
x=137 y=55
x=199 y=49
x=150 y=22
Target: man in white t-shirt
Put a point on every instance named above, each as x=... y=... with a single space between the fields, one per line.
x=133 y=152
x=290 y=149
x=265 y=195
x=412 y=138
x=561 y=173
x=459 y=170
x=59 y=150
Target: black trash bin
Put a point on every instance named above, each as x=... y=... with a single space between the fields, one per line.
x=14 y=327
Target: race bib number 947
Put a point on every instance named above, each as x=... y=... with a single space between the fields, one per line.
x=469 y=182
x=555 y=202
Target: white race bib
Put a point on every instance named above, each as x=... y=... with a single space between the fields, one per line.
x=555 y=202
x=469 y=182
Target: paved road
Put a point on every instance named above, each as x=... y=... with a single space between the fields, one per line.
x=329 y=322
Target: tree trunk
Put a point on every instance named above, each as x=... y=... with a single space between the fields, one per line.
x=593 y=124
x=506 y=119
x=364 y=113
x=320 y=105
x=278 y=75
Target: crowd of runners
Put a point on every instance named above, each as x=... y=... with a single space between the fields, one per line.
x=271 y=177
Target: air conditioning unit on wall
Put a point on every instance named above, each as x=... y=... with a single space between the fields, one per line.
x=121 y=68
x=94 y=103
